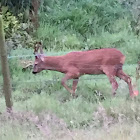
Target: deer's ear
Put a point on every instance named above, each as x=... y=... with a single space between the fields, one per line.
x=42 y=58
x=36 y=57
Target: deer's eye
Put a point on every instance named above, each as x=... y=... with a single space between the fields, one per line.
x=35 y=64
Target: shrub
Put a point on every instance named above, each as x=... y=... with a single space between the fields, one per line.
x=16 y=32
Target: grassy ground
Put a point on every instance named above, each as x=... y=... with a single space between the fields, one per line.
x=43 y=109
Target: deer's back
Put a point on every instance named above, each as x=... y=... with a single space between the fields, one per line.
x=92 y=61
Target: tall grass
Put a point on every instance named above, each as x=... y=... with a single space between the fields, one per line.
x=43 y=104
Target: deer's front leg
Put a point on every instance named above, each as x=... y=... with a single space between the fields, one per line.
x=74 y=87
x=66 y=78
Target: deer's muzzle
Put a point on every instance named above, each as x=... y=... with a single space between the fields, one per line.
x=34 y=72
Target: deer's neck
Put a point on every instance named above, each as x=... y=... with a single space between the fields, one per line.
x=54 y=63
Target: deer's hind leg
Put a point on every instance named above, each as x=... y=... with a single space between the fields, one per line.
x=127 y=79
x=111 y=73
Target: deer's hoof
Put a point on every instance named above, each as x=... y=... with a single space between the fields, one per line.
x=114 y=93
x=75 y=96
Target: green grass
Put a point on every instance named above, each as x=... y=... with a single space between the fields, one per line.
x=42 y=96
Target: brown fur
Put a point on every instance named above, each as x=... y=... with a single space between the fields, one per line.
x=107 y=61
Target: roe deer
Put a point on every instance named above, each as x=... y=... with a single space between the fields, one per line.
x=108 y=61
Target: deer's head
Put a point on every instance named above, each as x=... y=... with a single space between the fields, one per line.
x=39 y=58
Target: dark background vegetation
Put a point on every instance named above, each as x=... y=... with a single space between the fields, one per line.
x=73 y=24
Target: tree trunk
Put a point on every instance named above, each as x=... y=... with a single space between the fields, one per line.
x=34 y=12
x=5 y=69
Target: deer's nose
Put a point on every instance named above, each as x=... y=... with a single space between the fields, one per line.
x=34 y=72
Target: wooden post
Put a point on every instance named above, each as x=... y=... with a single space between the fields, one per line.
x=5 y=68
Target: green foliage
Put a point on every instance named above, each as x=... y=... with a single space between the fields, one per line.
x=84 y=25
x=11 y=24
x=83 y=17
x=16 y=33
x=133 y=7
x=16 y=6
x=78 y=25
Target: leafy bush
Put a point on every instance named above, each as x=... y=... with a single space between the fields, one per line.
x=16 y=33
x=82 y=16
